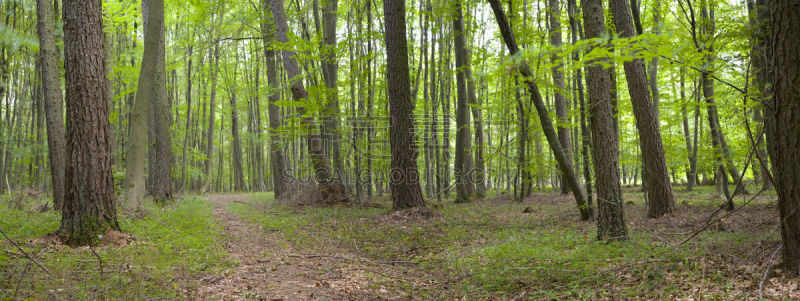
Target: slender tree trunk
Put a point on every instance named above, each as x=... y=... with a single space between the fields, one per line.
x=462 y=126
x=278 y=164
x=238 y=169
x=544 y=117
x=211 y=121
x=406 y=192
x=53 y=102
x=585 y=137
x=89 y=208
x=333 y=190
x=160 y=162
x=188 y=115
x=659 y=188
x=558 y=81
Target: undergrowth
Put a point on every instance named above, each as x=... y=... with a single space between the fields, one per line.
x=491 y=249
x=171 y=244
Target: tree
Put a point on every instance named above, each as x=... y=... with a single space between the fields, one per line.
x=160 y=122
x=547 y=124
x=783 y=124
x=558 y=81
x=134 y=172
x=462 y=125
x=53 y=103
x=280 y=176
x=404 y=176
x=659 y=188
x=211 y=121
x=611 y=215
x=89 y=208
x=332 y=190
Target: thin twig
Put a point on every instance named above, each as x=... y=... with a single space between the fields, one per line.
x=26 y=254
x=99 y=259
x=766 y=272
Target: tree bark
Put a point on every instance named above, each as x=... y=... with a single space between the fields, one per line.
x=134 y=171
x=462 y=126
x=160 y=162
x=89 y=207
x=554 y=27
x=211 y=121
x=404 y=177
x=783 y=124
x=544 y=117
x=659 y=188
x=611 y=215
x=53 y=102
x=278 y=163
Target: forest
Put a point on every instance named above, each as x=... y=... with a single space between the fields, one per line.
x=399 y=150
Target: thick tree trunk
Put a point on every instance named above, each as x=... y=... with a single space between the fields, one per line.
x=659 y=188
x=404 y=176
x=89 y=208
x=611 y=215
x=783 y=124
x=544 y=117
x=53 y=102
x=134 y=172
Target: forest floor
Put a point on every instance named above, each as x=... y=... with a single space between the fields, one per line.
x=250 y=247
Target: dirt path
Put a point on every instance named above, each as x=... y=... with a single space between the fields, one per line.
x=270 y=269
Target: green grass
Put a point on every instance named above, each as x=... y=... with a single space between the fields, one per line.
x=172 y=244
x=492 y=249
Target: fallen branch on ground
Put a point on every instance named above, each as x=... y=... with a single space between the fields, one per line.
x=766 y=272
x=27 y=255
x=392 y=262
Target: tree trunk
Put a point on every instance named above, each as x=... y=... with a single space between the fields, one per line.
x=763 y=77
x=238 y=169
x=462 y=126
x=611 y=215
x=211 y=121
x=406 y=192
x=53 y=102
x=278 y=163
x=134 y=172
x=585 y=137
x=544 y=117
x=659 y=188
x=161 y=122
x=89 y=207
x=188 y=115
x=783 y=124
x=558 y=81
x=315 y=151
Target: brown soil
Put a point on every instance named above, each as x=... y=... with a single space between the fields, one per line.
x=269 y=268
